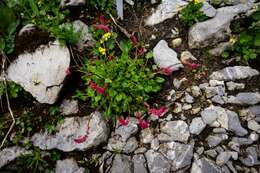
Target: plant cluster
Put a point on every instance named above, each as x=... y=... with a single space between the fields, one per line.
x=12 y=88
x=247 y=44
x=118 y=79
x=45 y=14
x=192 y=14
x=102 y=5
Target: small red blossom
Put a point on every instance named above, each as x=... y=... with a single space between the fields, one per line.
x=158 y=112
x=81 y=139
x=102 y=27
x=192 y=65
x=146 y=105
x=102 y=20
x=68 y=71
x=98 y=89
x=143 y=124
x=134 y=40
x=122 y=121
x=166 y=71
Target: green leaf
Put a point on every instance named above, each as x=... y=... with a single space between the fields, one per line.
x=159 y=80
x=149 y=55
x=2 y=44
x=257 y=40
x=245 y=38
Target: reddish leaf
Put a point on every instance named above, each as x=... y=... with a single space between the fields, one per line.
x=141 y=51
x=134 y=40
x=166 y=71
x=102 y=20
x=192 y=65
x=98 y=89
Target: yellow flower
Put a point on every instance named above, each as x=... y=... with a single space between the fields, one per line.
x=198 y=1
x=102 y=50
x=105 y=37
x=232 y=39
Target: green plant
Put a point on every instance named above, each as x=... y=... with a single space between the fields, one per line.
x=102 y=5
x=13 y=89
x=56 y=118
x=33 y=162
x=247 y=44
x=192 y=14
x=116 y=82
x=8 y=25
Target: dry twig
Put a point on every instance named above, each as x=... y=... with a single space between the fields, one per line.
x=7 y=100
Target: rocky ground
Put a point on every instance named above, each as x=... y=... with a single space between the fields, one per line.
x=212 y=122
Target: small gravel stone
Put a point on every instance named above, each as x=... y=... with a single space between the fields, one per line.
x=214 y=140
x=68 y=166
x=246 y=98
x=146 y=136
x=195 y=90
x=139 y=163
x=176 y=42
x=212 y=153
x=140 y=150
x=214 y=83
x=219 y=130
x=156 y=162
x=69 y=107
x=195 y=110
x=189 y=98
x=177 y=108
x=253 y=125
x=212 y=91
x=197 y=125
x=186 y=107
x=235 y=86
x=223 y=158
x=155 y=144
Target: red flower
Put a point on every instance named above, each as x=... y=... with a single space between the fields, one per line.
x=192 y=65
x=122 y=121
x=102 y=27
x=138 y=115
x=81 y=139
x=143 y=124
x=134 y=40
x=166 y=71
x=98 y=89
x=158 y=112
x=110 y=58
x=67 y=71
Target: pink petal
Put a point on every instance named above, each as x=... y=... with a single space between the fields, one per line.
x=158 y=112
x=122 y=121
x=166 y=71
x=138 y=115
x=143 y=124
x=81 y=139
x=102 y=20
x=192 y=65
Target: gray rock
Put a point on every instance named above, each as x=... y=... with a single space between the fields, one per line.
x=186 y=107
x=122 y=163
x=246 y=98
x=253 y=136
x=197 y=125
x=130 y=145
x=255 y=110
x=208 y=10
x=251 y=157
x=166 y=57
x=68 y=166
x=172 y=96
x=204 y=165
x=218 y=99
x=253 y=125
x=214 y=83
x=215 y=140
x=226 y=118
x=72 y=3
x=231 y=167
x=166 y=10
x=234 y=73
x=146 y=136
x=86 y=39
x=164 y=137
x=212 y=91
x=223 y=158
x=179 y=155
x=195 y=110
x=203 y=86
x=9 y=154
x=235 y=86
x=177 y=108
x=42 y=72
x=68 y=107
x=125 y=132
x=140 y=150
x=155 y=144
x=195 y=90
x=212 y=153
x=73 y=128
x=216 y=29
x=220 y=48
x=177 y=130
x=27 y=29
x=157 y=162
x=219 y=130
x=139 y=164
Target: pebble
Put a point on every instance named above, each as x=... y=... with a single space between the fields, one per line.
x=176 y=42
